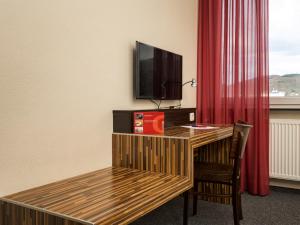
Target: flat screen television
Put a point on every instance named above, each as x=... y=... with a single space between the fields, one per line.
x=158 y=73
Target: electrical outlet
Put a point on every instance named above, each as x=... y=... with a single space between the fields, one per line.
x=192 y=117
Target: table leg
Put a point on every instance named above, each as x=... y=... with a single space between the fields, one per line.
x=185 y=207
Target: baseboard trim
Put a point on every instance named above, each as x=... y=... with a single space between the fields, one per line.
x=285 y=184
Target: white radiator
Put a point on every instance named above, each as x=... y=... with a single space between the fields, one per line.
x=285 y=149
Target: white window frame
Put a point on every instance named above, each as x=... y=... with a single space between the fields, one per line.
x=284 y=102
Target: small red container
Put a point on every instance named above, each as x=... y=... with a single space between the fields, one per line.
x=148 y=122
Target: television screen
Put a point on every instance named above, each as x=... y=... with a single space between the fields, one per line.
x=158 y=73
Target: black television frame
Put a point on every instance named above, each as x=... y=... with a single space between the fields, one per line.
x=137 y=74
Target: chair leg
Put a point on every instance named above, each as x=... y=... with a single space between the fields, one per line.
x=195 y=198
x=235 y=205
x=240 y=207
x=185 y=207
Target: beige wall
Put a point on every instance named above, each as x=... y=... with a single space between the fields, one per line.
x=64 y=66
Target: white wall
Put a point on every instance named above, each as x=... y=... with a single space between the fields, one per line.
x=64 y=66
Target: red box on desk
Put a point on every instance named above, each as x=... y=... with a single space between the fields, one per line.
x=148 y=122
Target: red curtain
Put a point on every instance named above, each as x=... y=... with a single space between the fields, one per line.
x=233 y=77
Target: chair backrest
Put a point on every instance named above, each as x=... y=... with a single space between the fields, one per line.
x=239 y=139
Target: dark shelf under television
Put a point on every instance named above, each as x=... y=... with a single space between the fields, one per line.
x=123 y=119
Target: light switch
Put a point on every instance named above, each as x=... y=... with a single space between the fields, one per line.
x=192 y=117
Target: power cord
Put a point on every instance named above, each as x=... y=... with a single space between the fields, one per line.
x=157 y=104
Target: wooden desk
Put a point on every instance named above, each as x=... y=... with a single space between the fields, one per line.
x=169 y=153
x=148 y=171
x=104 y=197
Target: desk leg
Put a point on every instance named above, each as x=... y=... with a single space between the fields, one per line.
x=185 y=207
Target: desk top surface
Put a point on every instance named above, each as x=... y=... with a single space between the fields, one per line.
x=188 y=132
x=107 y=196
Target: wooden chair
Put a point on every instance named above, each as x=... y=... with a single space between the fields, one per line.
x=225 y=174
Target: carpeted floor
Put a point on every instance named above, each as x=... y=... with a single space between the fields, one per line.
x=282 y=207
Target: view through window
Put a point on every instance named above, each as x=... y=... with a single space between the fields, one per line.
x=284 y=31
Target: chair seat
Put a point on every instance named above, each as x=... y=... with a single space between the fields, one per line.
x=212 y=172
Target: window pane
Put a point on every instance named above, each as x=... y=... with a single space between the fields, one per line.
x=284 y=48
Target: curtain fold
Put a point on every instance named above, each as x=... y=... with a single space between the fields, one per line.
x=233 y=77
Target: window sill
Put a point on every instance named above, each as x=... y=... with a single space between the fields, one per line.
x=284 y=102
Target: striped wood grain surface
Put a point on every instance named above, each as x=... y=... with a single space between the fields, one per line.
x=14 y=214
x=157 y=154
x=108 y=196
x=167 y=153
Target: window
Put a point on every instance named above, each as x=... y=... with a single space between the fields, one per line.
x=284 y=32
